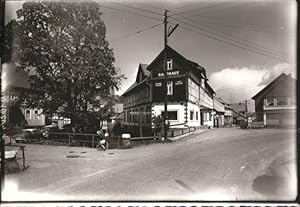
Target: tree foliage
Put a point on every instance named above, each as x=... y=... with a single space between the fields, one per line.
x=64 y=49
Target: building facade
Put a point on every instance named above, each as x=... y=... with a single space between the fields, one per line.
x=14 y=83
x=190 y=99
x=275 y=104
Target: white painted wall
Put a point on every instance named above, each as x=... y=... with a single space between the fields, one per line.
x=157 y=108
x=195 y=109
x=207 y=122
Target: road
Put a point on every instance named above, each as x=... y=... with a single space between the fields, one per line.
x=220 y=164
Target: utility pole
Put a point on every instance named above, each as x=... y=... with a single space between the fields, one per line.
x=246 y=109
x=166 y=76
x=166 y=35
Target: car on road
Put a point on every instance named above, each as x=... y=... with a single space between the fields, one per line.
x=28 y=135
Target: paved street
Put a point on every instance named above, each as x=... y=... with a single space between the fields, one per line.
x=220 y=164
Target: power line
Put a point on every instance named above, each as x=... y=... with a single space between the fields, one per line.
x=230 y=7
x=154 y=7
x=135 y=33
x=233 y=38
x=226 y=42
x=133 y=13
x=176 y=8
x=236 y=86
x=145 y=10
x=191 y=10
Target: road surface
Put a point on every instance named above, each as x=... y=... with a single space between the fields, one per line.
x=220 y=164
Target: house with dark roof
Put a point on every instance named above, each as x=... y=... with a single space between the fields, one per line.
x=275 y=104
x=15 y=82
x=238 y=112
x=219 y=112
x=189 y=95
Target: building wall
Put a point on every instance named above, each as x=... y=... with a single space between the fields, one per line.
x=34 y=117
x=280 y=118
x=208 y=118
x=193 y=115
x=179 y=107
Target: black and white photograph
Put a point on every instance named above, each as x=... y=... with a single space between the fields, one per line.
x=149 y=100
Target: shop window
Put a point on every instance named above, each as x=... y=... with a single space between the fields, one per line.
x=282 y=101
x=170 y=64
x=269 y=102
x=191 y=115
x=170 y=88
x=197 y=115
x=209 y=115
x=172 y=115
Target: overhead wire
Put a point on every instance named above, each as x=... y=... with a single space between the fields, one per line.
x=221 y=40
x=130 y=12
x=136 y=8
x=234 y=39
x=137 y=32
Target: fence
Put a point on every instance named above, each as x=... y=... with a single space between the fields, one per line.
x=73 y=139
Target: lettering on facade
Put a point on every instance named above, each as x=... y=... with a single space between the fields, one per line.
x=168 y=73
x=159 y=84
x=179 y=83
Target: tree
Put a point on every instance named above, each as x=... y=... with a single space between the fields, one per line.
x=63 y=48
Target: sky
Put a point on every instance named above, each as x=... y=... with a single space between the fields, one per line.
x=243 y=45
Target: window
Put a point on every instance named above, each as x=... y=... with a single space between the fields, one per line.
x=282 y=101
x=191 y=115
x=269 y=102
x=209 y=116
x=169 y=64
x=36 y=114
x=27 y=114
x=197 y=115
x=170 y=88
x=172 y=115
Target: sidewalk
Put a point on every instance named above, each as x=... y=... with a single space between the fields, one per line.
x=198 y=131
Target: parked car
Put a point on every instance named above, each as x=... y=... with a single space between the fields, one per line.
x=28 y=135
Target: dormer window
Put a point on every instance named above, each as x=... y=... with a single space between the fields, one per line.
x=170 y=64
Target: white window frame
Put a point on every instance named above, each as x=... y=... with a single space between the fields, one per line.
x=266 y=102
x=170 y=88
x=170 y=64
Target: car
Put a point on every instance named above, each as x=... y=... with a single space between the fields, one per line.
x=28 y=135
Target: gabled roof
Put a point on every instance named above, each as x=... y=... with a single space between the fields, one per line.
x=170 y=50
x=134 y=85
x=144 y=69
x=270 y=85
x=238 y=106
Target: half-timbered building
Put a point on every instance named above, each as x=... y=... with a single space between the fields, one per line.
x=190 y=99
